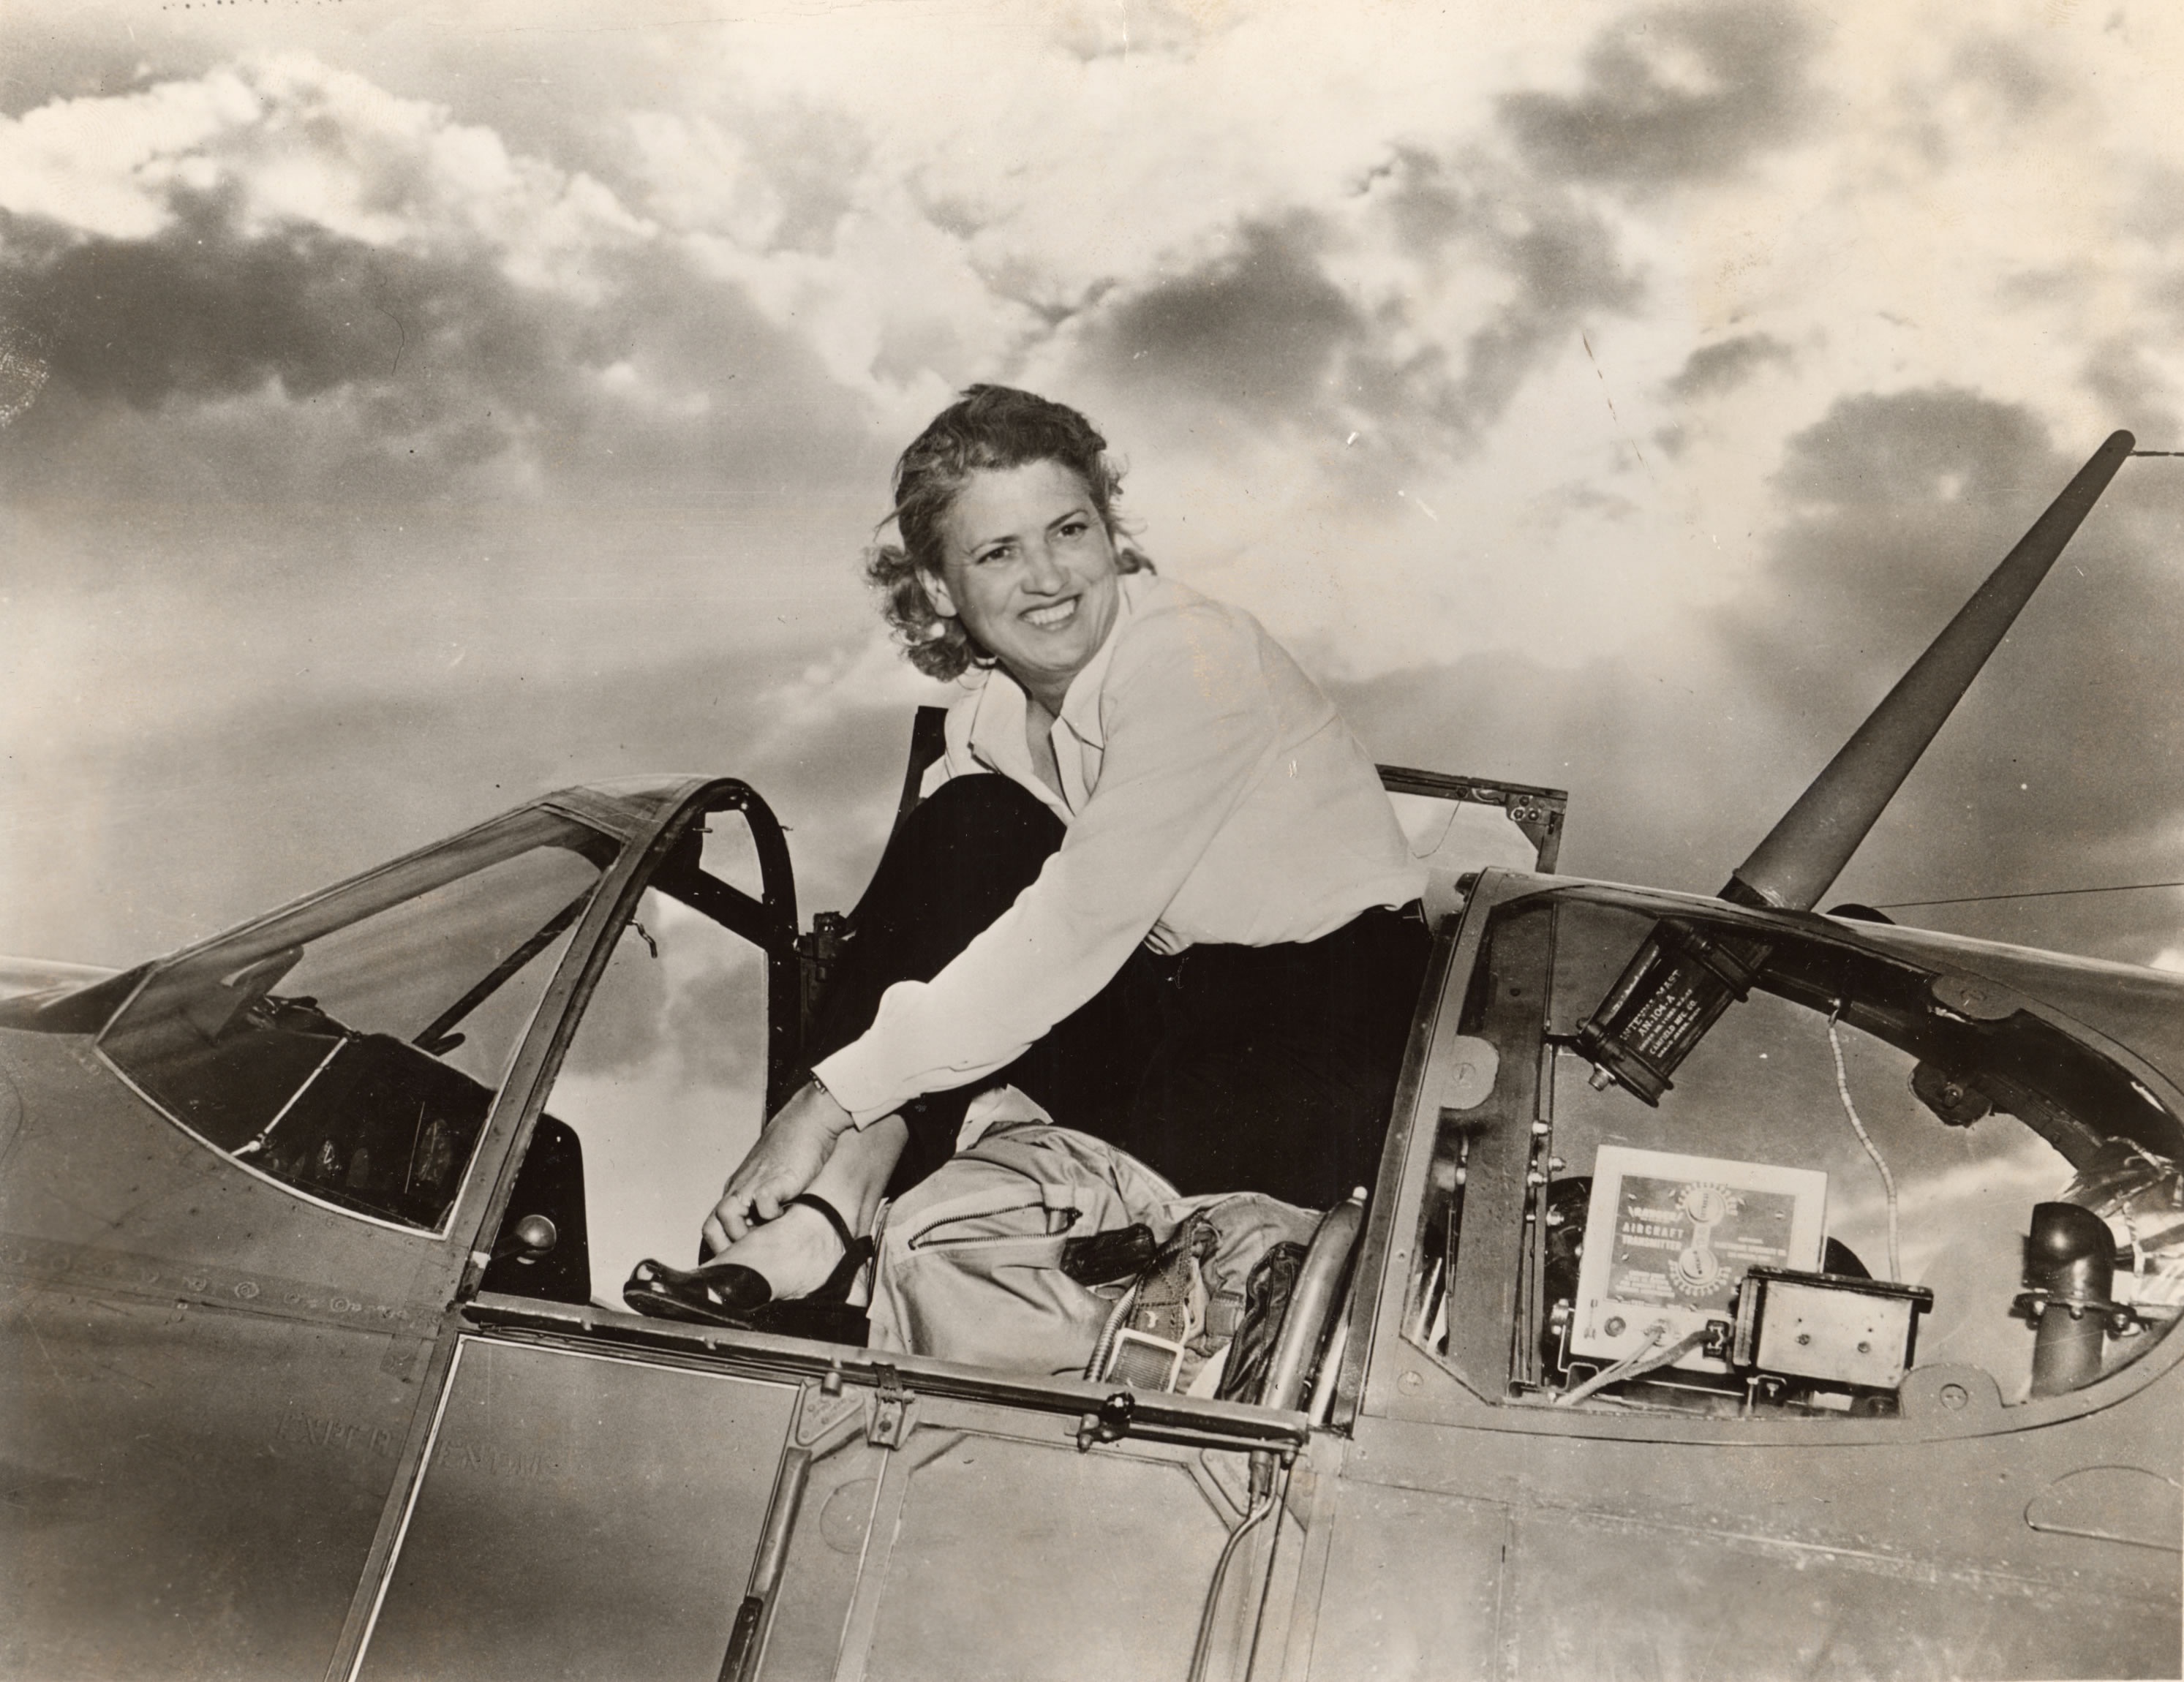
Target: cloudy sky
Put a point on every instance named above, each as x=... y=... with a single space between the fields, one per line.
x=403 y=409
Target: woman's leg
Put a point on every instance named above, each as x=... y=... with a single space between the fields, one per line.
x=798 y=1249
x=1277 y=1064
x=951 y=867
x=955 y=864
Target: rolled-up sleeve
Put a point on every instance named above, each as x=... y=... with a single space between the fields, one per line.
x=1189 y=726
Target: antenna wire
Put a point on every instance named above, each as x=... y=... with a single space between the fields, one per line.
x=1887 y=1179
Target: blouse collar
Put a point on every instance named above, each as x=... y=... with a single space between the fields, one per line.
x=997 y=720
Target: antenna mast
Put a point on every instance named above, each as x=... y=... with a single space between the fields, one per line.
x=1804 y=853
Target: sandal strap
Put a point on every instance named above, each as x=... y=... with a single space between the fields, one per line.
x=834 y=1218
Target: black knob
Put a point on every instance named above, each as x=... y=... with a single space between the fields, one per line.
x=530 y=1237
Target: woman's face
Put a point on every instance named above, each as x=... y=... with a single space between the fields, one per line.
x=1027 y=565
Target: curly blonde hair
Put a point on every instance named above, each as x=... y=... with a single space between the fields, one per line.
x=988 y=428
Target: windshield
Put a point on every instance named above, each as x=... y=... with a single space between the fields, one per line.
x=351 y=1048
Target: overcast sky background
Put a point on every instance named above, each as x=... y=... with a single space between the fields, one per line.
x=404 y=410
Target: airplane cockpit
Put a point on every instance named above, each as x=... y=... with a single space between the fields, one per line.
x=1696 y=1167
x=1680 y=1163
x=350 y=1050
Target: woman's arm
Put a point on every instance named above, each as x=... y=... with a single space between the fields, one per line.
x=809 y=1145
x=1189 y=724
x=796 y=1257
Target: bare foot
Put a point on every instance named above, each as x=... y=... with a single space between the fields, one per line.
x=794 y=1253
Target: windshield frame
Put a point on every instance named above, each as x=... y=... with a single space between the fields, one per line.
x=329 y=910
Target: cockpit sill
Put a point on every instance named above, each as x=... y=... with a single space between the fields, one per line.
x=1105 y=1413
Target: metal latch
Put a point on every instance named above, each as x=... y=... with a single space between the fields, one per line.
x=890 y=1421
x=1111 y=1424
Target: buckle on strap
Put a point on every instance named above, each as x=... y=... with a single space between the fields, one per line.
x=1149 y=1333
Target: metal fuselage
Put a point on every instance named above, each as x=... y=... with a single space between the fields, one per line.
x=257 y=1431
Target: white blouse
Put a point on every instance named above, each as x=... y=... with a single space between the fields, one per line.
x=1212 y=794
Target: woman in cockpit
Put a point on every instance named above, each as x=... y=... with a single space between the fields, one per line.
x=1155 y=891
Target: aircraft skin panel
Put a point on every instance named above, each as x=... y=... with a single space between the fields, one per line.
x=1729 y=1607
x=173 y=1326
x=579 y=1516
x=1624 y=1556
x=1439 y=1559
x=1016 y=1558
x=121 y=1413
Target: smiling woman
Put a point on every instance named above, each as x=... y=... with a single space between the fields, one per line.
x=949 y=500
x=1153 y=929
x=1029 y=568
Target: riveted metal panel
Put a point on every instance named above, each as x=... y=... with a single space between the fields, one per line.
x=205 y=1386
x=189 y=1491
x=1596 y=1597
x=1000 y=1550
x=1413 y=1588
x=579 y=1516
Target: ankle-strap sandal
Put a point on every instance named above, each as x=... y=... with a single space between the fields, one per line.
x=730 y=1294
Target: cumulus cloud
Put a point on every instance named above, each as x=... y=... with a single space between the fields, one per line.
x=1676 y=93
x=1431 y=293
x=1261 y=328
x=1726 y=365
x=280 y=253
x=284 y=141
x=1410 y=313
x=1609 y=397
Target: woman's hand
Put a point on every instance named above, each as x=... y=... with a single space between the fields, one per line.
x=790 y=1152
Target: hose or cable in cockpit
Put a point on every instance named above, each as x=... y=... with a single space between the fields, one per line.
x=1264 y=1493
x=1649 y=1357
x=1887 y=1179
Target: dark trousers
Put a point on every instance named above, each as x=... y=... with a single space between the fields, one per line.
x=1224 y=1068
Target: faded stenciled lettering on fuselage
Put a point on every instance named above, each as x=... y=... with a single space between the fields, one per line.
x=125 y=1274
x=498 y=1463
x=328 y=1431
